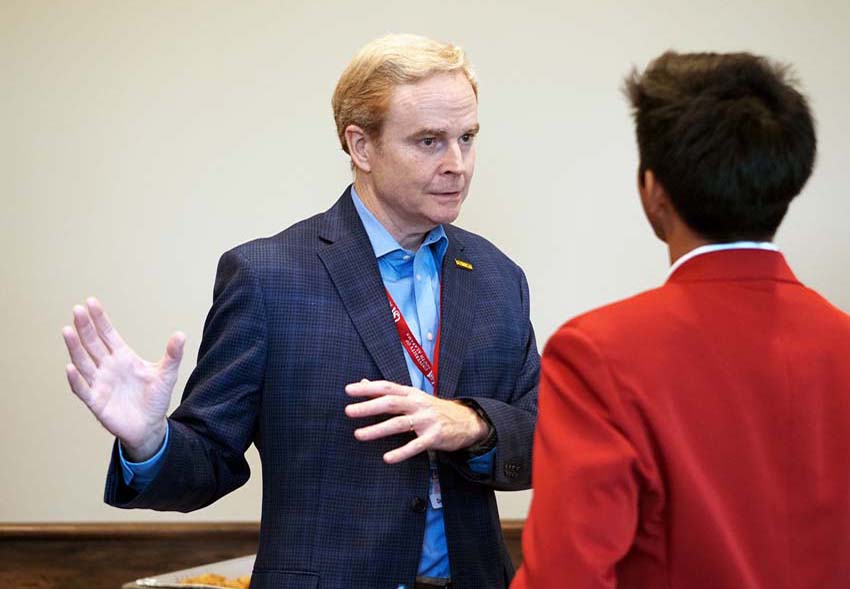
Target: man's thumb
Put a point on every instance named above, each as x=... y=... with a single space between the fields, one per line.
x=174 y=351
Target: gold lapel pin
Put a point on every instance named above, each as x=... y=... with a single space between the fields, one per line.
x=462 y=264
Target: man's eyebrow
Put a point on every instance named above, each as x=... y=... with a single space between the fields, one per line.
x=429 y=132
x=440 y=132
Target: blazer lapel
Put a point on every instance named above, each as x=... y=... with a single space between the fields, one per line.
x=350 y=261
x=457 y=309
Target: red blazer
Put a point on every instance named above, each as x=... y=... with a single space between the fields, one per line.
x=695 y=436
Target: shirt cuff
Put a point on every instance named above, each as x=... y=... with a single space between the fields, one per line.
x=137 y=475
x=482 y=464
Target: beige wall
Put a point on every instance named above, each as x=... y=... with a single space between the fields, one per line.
x=139 y=140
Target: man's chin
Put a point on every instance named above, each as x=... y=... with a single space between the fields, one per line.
x=446 y=215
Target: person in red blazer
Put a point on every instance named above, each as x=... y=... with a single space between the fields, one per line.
x=694 y=436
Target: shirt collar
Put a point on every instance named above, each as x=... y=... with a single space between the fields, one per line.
x=717 y=247
x=381 y=239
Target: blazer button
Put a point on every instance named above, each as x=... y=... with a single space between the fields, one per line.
x=512 y=469
x=418 y=504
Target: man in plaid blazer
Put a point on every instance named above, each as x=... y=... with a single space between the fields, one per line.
x=381 y=360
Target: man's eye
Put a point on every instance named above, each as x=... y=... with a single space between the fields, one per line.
x=428 y=141
x=467 y=137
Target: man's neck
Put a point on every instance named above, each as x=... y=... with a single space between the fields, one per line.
x=679 y=251
x=682 y=240
x=406 y=238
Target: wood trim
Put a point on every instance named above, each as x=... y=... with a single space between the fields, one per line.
x=511 y=528
x=128 y=531
x=110 y=554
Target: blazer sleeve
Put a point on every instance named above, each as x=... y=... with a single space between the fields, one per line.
x=217 y=418
x=584 y=510
x=513 y=421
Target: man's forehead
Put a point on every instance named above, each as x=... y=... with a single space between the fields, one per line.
x=441 y=100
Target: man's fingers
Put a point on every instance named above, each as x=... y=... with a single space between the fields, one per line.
x=389 y=404
x=374 y=388
x=390 y=427
x=103 y=325
x=88 y=336
x=80 y=358
x=79 y=385
x=409 y=450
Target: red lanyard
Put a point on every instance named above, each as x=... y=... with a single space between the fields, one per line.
x=408 y=340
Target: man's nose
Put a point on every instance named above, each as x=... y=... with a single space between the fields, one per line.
x=453 y=159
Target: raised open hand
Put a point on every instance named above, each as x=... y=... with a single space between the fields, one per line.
x=128 y=395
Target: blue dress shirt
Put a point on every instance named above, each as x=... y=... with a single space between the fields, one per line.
x=413 y=280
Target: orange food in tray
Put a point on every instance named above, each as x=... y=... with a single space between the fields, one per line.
x=218 y=581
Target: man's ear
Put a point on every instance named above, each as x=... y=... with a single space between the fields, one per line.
x=650 y=192
x=359 y=144
x=656 y=203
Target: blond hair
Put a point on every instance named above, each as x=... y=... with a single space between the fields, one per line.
x=363 y=92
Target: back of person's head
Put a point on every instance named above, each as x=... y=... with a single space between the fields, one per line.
x=364 y=89
x=728 y=136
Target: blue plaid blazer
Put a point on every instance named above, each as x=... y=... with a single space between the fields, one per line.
x=297 y=316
